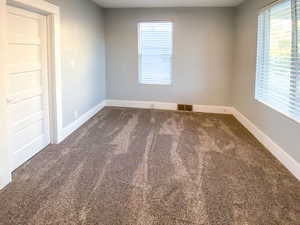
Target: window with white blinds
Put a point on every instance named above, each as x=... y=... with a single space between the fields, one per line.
x=278 y=58
x=155 y=52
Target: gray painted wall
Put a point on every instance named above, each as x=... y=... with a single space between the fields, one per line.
x=282 y=130
x=83 y=56
x=203 y=53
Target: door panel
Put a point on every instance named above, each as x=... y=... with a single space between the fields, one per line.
x=24 y=82
x=27 y=135
x=23 y=109
x=24 y=58
x=23 y=28
x=28 y=84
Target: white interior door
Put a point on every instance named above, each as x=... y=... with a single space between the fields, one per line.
x=27 y=84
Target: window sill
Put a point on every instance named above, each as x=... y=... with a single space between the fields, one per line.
x=155 y=84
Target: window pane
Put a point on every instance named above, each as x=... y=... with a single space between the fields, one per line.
x=280 y=54
x=155 y=53
x=278 y=65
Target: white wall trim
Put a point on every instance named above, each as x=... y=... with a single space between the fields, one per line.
x=81 y=120
x=54 y=58
x=35 y=5
x=142 y=104
x=168 y=106
x=213 y=109
x=5 y=173
x=291 y=164
x=5 y=182
x=288 y=161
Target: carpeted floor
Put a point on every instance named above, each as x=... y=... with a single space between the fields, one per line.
x=152 y=167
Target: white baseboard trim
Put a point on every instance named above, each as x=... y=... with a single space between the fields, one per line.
x=142 y=104
x=213 y=109
x=168 y=106
x=5 y=180
x=289 y=162
x=81 y=120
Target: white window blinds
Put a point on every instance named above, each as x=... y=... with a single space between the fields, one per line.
x=155 y=52
x=278 y=58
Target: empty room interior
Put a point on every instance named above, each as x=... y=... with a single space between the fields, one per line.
x=149 y=112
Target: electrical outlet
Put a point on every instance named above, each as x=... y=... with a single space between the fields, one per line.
x=76 y=114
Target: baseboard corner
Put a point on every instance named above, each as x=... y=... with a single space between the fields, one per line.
x=4 y=182
x=288 y=161
x=81 y=120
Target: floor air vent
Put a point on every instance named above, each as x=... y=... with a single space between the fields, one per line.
x=188 y=108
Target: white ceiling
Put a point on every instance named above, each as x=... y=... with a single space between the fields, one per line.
x=166 y=3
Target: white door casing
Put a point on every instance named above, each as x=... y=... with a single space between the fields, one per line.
x=27 y=97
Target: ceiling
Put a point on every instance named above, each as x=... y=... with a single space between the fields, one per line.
x=166 y=3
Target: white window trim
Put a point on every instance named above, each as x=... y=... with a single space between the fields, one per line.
x=286 y=115
x=139 y=55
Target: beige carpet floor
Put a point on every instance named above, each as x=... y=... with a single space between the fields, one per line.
x=151 y=167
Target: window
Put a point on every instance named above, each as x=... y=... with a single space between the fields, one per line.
x=155 y=52
x=278 y=58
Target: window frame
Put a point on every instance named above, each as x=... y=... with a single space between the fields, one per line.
x=294 y=25
x=140 y=55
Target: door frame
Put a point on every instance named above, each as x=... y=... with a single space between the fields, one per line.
x=52 y=13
